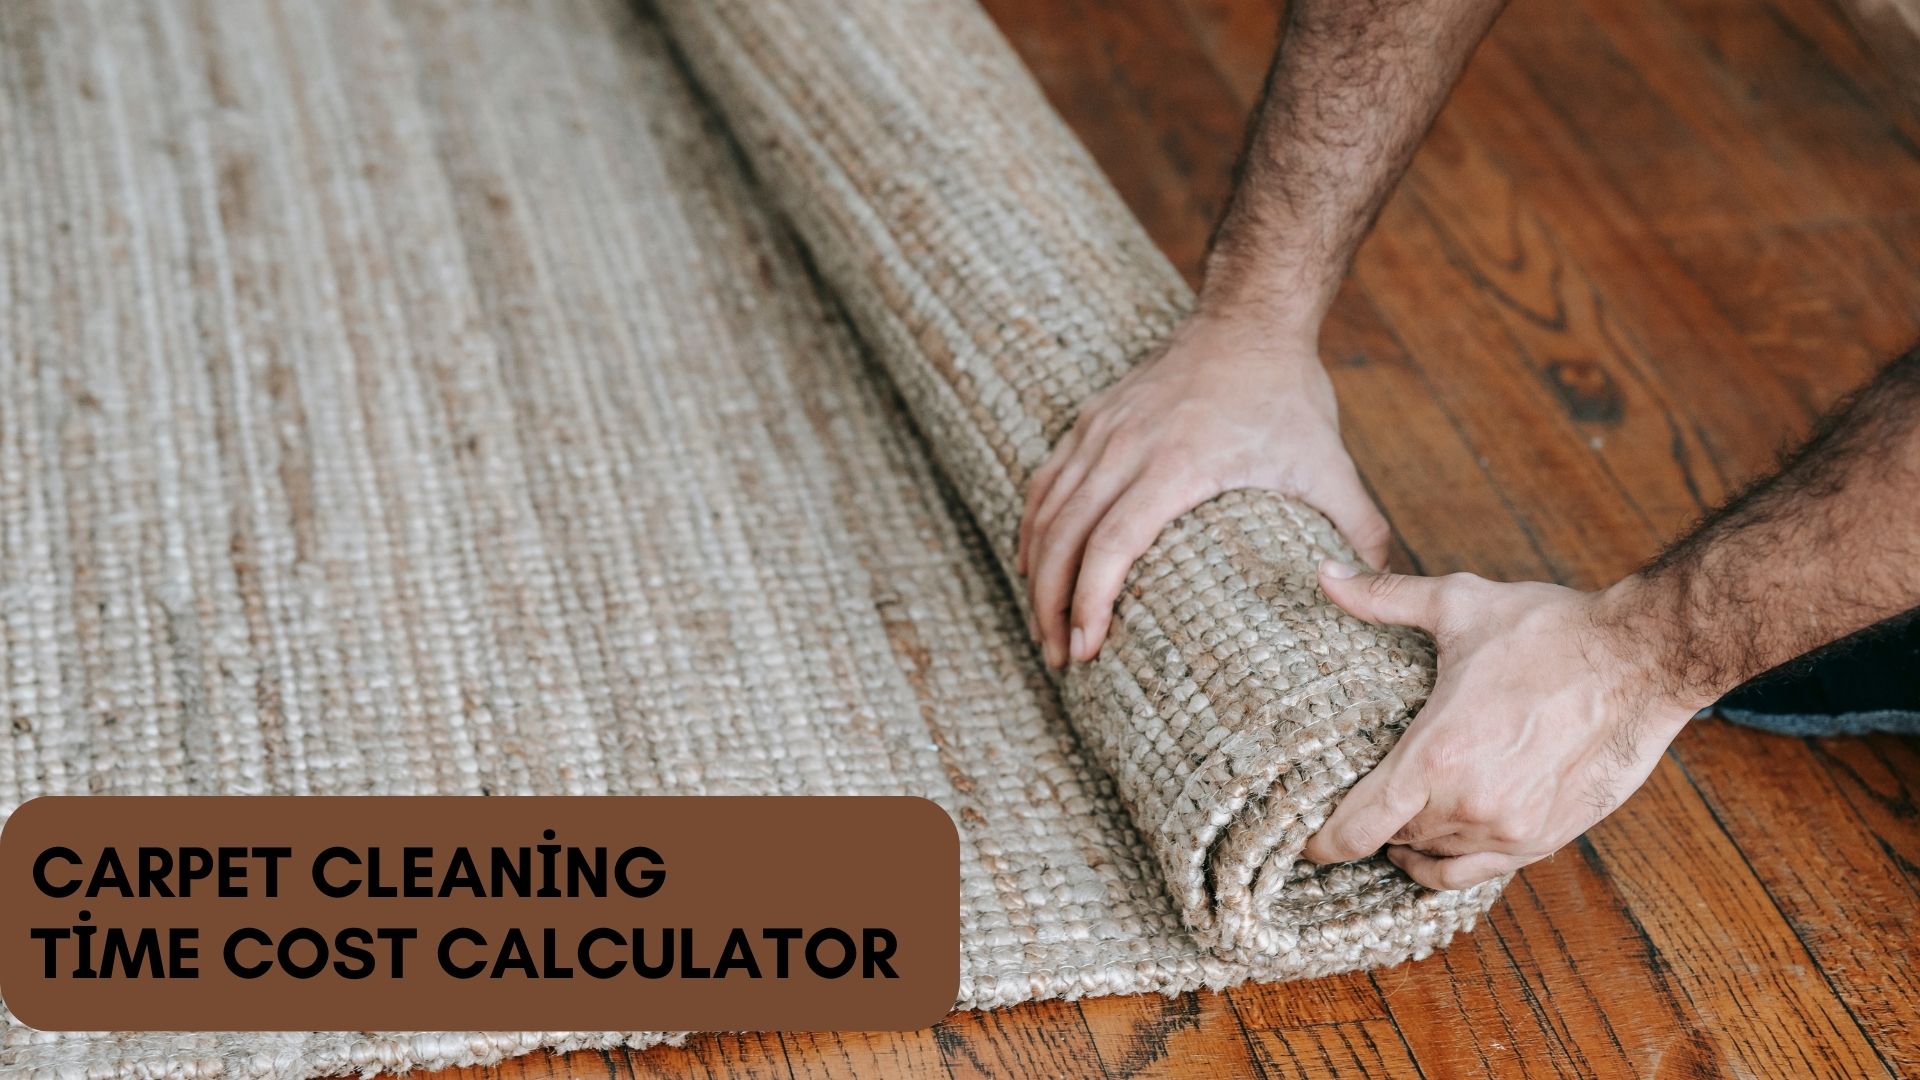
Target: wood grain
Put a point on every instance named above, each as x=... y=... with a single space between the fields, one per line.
x=1647 y=241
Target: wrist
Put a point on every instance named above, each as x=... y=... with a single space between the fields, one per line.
x=1648 y=623
x=1277 y=336
x=1280 y=297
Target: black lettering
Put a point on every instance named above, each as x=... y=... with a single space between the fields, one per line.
x=132 y=957
x=231 y=953
x=108 y=874
x=593 y=967
x=838 y=937
x=461 y=874
x=879 y=948
x=53 y=936
x=397 y=937
x=320 y=880
x=58 y=892
x=665 y=965
x=688 y=969
x=155 y=864
x=303 y=936
x=514 y=956
x=550 y=967
x=271 y=856
x=650 y=880
x=196 y=864
x=183 y=953
x=356 y=960
x=784 y=936
x=736 y=954
x=461 y=971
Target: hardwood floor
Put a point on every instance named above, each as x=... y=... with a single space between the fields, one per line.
x=1646 y=243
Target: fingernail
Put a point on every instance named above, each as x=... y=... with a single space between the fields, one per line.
x=1338 y=571
x=1078 y=644
x=1053 y=655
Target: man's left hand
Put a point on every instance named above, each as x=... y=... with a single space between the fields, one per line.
x=1546 y=715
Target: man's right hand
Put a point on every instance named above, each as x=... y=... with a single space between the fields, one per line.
x=1228 y=404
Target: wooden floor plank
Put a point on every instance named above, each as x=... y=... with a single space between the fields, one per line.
x=1676 y=76
x=1785 y=87
x=1565 y=333
x=1774 y=246
x=846 y=1055
x=1041 y=1040
x=1728 y=949
x=1460 y=517
x=1337 y=1026
x=1238 y=38
x=1825 y=28
x=1847 y=900
x=1745 y=409
x=1565 y=496
x=1586 y=997
x=724 y=1056
x=1150 y=1037
x=1880 y=778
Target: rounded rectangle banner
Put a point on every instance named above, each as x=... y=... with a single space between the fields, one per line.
x=561 y=913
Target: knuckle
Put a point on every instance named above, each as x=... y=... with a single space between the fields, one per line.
x=1533 y=840
x=1122 y=441
x=1352 y=841
x=1109 y=542
x=1383 y=586
x=1077 y=505
x=1438 y=758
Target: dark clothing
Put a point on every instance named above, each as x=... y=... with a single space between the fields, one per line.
x=1864 y=683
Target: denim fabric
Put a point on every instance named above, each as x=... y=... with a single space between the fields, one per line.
x=1898 y=721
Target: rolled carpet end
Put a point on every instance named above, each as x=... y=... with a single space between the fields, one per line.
x=994 y=274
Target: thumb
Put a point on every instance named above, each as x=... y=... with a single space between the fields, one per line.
x=1397 y=599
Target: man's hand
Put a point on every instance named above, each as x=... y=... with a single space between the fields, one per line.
x=1547 y=714
x=1239 y=398
x=1227 y=405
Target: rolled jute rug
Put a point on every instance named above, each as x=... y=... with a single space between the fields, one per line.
x=422 y=397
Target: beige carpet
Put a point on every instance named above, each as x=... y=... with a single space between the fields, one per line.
x=411 y=397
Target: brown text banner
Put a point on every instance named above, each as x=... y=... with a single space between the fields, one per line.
x=402 y=913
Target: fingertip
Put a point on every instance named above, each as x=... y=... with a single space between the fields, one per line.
x=1323 y=847
x=1077 y=645
x=1335 y=570
x=1319 y=851
x=1336 y=579
x=1092 y=608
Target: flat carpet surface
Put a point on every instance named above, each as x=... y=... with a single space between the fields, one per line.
x=408 y=398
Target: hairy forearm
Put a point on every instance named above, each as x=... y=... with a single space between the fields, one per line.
x=1827 y=545
x=1353 y=88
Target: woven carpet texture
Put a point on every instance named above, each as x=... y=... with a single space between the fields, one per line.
x=415 y=396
